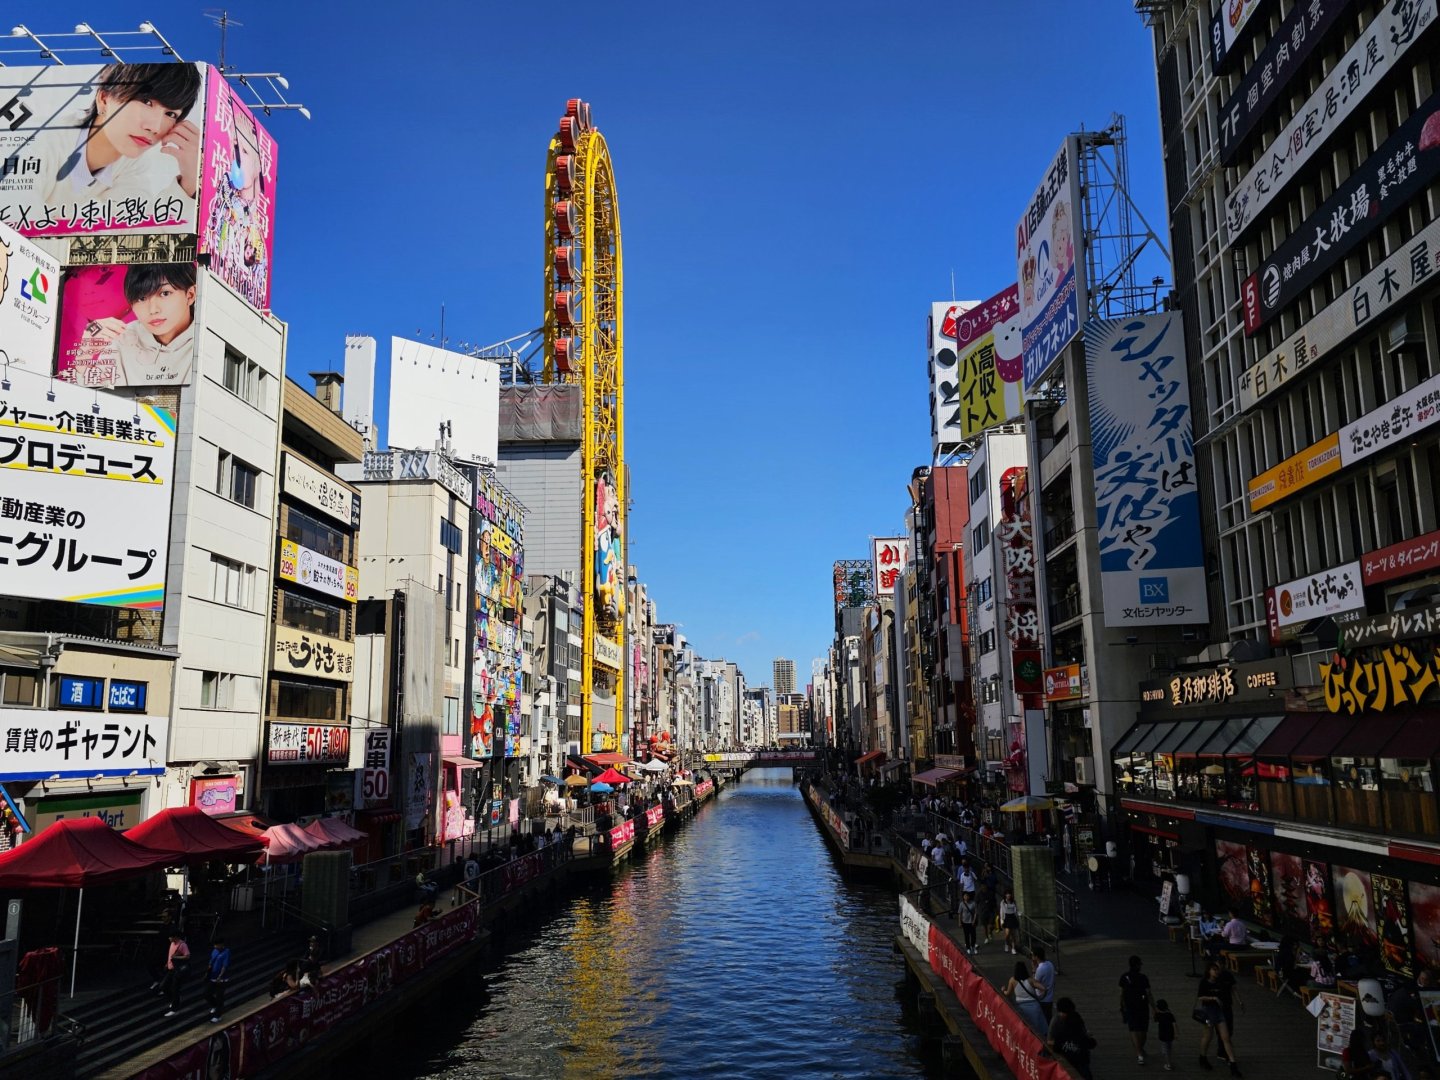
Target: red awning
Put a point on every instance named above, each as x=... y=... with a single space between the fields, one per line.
x=200 y=837
x=1418 y=739
x=932 y=777
x=457 y=762
x=612 y=777
x=1367 y=739
x=1324 y=735
x=1284 y=738
x=602 y=761
x=330 y=830
x=873 y=755
x=283 y=843
x=77 y=852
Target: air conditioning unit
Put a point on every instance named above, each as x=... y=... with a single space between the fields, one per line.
x=1400 y=335
x=1085 y=770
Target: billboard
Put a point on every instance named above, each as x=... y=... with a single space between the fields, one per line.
x=990 y=366
x=1226 y=27
x=1299 y=470
x=430 y=387
x=1404 y=165
x=100 y=149
x=1051 y=285
x=888 y=557
x=303 y=481
x=1147 y=505
x=1387 y=426
x=237 y=194
x=59 y=743
x=319 y=572
x=1329 y=592
x=28 y=302
x=308 y=744
x=128 y=325
x=300 y=653
x=944 y=374
x=1375 y=54
x=85 y=480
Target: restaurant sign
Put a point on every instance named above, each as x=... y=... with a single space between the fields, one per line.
x=305 y=744
x=1397 y=676
x=1356 y=630
x=313 y=654
x=1066 y=683
x=310 y=568
x=1402 y=559
x=1217 y=685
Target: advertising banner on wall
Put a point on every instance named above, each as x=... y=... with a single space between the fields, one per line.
x=29 y=302
x=1377 y=52
x=85 y=479
x=1226 y=27
x=128 y=325
x=990 y=366
x=319 y=572
x=1265 y=81
x=237 y=194
x=1318 y=595
x=498 y=603
x=1147 y=505
x=946 y=429
x=1401 y=560
x=430 y=387
x=65 y=744
x=1299 y=470
x=609 y=547
x=215 y=795
x=1387 y=426
x=888 y=557
x=1048 y=266
x=300 y=653
x=1404 y=165
x=373 y=782
x=1064 y=683
x=1357 y=631
x=95 y=149
x=305 y=482
x=308 y=744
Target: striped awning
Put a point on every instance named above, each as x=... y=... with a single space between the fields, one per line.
x=932 y=777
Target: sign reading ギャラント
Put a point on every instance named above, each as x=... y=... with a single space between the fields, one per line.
x=1147 y=505
x=40 y=745
x=84 y=494
x=1052 y=285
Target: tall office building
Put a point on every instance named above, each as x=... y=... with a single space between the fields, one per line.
x=783 y=675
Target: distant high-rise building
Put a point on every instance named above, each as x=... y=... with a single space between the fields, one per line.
x=783 y=672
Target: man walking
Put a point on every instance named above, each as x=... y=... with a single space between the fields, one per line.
x=217 y=975
x=1044 y=976
x=177 y=959
x=1136 y=1005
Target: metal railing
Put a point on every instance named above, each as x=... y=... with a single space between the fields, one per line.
x=934 y=900
x=993 y=851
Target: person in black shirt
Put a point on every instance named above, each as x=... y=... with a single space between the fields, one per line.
x=1070 y=1039
x=1210 y=998
x=1135 y=1006
x=1165 y=1028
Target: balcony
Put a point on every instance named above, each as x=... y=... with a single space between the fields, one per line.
x=1065 y=608
x=1062 y=529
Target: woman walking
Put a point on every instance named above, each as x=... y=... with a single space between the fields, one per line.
x=1010 y=921
x=969 y=914
x=1209 y=1002
x=1026 y=997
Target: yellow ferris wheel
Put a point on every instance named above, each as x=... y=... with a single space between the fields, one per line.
x=583 y=345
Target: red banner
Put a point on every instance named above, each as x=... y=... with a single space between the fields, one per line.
x=518 y=871
x=654 y=816
x=622 y=834
x=1402 y=559
x=704 y=788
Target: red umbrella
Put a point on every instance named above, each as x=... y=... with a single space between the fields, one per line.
x=612 y=777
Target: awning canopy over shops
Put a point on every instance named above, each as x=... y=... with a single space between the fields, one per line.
x=1286 y=735
x=935 y=777
x=283 y=843
x=455 y=761
x=1417 y=740
x=75 y=853
x=1368 y=738
x=608 y=761
x=1189 y=738
x=333 y=831
x=872 y=756
x=1159 y=735
x=197 y=835
x=1324 y=734
x=583 y=765
x=1131 y=738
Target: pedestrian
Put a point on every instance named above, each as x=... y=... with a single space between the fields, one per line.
x=1165 y=1029
x=969 y=916
x=1136 y=1005
x=1229 y=992
x=1027 y=1000
x=1209 y=1010
x=1388 y=1059
x=177 y=962
x=1070 y=1039
x=1044 y=979
x=217 y=974
x=989 y=882
x=1010 y=921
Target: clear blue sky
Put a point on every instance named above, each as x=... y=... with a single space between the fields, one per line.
x=797 y=183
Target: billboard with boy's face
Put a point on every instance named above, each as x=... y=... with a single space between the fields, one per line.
x=98 y=149
x=128 y=325
x=237 y=194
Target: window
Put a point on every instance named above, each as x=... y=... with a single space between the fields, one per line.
x=977 y=484
x=244 y=379
x=234 y=582
x=987 y=642
x=306 y=702
x=310 y=532
x=17 y=688
x=450 y=536
x=452 y=717
x=236 y=481
x=980 y=536
x=303 y=613
x=217 y=690
x=982 y=590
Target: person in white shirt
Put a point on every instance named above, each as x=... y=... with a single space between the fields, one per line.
x=158 y=347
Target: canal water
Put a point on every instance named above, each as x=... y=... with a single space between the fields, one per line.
x=733 y=949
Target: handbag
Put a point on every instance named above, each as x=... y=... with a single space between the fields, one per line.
x=1199 y=1014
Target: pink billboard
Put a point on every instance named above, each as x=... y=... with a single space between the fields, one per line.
x=127 y=325
x=237 y=195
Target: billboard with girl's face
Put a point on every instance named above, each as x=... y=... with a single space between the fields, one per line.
x=128 y=325
x=100 y=149
x=237 y=195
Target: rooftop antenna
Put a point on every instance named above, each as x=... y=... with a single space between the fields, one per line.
x=223 y=22
x=952 y=285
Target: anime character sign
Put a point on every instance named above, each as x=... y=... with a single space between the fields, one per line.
x=1392 y=917
x=1319 y=910
x=609 y=556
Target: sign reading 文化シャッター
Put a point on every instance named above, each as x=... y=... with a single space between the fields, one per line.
x=326 y=494
x=1411 y=267
x=1375 y=54
x=1147 y=505
x=1304 y=30
x=1402 y=167
x=320 y=657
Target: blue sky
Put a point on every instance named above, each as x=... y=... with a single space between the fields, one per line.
x=797 y=182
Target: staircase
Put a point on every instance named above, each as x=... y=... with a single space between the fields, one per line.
x=129 y=1022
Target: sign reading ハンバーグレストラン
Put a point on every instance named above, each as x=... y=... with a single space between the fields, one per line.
x=85 y=482
x=1048 y=258
x=1147 y=505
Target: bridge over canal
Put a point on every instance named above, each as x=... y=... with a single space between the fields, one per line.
x=739 y=762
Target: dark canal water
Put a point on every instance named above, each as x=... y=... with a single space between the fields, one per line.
x=734 y=949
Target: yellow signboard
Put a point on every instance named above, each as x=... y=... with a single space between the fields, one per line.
x=1297 y=471
x=986 y=399
x=315 y=655
x=310 y=568
x=1398 y=676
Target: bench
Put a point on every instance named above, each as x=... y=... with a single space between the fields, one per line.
x=1178 y=934
x=1238 y=961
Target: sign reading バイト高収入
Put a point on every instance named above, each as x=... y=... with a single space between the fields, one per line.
x=888 y=554
x=325 y=493
x=1048 y=258
x=990 y=364
x=1147 y=504
x=85 y=480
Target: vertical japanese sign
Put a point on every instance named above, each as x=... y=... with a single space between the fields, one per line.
x=99 y=149
x=498 y=607
x=1226 y=27
x=946 y=429
x=1016 y=543
x=990 y=365
x=1051 y=281
x=29 y=300
x=85 y=482
x=237 y=194
x=1147 y=506
x=889 y=555
x=373 y=781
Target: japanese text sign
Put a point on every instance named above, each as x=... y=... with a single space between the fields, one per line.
x=1357 y=631
x=889 y=555
x=1048 y=258
x=1299 y=470
x=38 y=744
x=1392 y=423
x=83 y=151
x=325 y=493
x=1226 y=26
x=29 y=299
x=216 y=794
x=1065 y=683
x=128 y=325
x=945 y=426
x=315 y=655
x=85 y=481
x=1398 y=676
x=1147 y=505
x=990 y=363
x=305 y=567
x=308 y=744
x=1401 y=560
x=373 y=781
x=1318 y=595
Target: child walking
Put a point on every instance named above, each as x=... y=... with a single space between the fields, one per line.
x=1165 y=1025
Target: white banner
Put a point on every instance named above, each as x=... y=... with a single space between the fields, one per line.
x=889 y=555
x=315 y=655
x=29 y=301
x=85 y=480
x=1414 y=265
x=1329 y=592
x=40 y=745
x=1048 y=250
x=325 y=493
x=306 y=567
x=1373 y=56
x=373 y=780
x=915 y=926
x=1392 y=423
x=607 y=653
x=945 y=374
